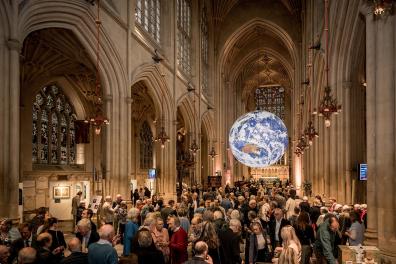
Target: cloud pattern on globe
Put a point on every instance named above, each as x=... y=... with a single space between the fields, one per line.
x=258 y=139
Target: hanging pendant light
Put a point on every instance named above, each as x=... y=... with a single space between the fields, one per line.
x=98 y=119
x=213 y=153
x=161 y=137
x=328 y=105
x=311 y=133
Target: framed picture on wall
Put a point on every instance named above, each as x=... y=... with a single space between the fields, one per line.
x=61 y=192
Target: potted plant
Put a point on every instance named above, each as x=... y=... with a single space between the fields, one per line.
x=307 y=187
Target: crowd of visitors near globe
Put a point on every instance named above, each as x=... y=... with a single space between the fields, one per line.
x=248 y=224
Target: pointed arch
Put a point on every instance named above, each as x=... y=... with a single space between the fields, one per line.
x=158 y=89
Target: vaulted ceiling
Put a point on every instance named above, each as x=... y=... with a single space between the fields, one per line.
x=56 y=52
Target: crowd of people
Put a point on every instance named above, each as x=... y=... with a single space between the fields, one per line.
x=248 y=224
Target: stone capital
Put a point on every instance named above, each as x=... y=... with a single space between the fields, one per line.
x=129 y=100
x=14 y=44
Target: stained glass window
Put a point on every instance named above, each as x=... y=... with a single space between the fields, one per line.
x=148 y=16
x=146 y=146
x=204 y=51
x=53 y=130
x=184 y=35
x=271 y=99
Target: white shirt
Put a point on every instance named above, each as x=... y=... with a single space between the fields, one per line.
x=260 y=241
x=277 y=227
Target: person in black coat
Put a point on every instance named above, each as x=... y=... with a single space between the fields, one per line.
x=146 y=251
x=45 y=255
x=275 y=227
x=85 y=234
x=229 y=243
x=28 y=239
x=201 y=254
x=76 y=256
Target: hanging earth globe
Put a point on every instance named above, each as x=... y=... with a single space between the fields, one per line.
x=258 y=139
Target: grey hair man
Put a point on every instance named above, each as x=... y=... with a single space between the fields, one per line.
x=102 y=252
x=27 y=255
x=76 y=256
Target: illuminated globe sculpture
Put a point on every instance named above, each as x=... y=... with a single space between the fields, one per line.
x=258 y=139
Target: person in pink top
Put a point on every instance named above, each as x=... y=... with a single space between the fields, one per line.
x=161 y=238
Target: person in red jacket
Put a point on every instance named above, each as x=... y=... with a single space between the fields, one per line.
x=178 y=242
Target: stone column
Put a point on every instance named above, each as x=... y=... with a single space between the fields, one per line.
x=381 y=64
x=13 y=175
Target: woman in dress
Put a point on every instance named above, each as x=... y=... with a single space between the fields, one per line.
x=305 y=234
x=258 y=250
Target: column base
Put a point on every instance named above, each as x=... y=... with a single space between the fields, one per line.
x=371 y=237
x=388 y=257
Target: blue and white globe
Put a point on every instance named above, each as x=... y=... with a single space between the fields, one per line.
x=258 y=139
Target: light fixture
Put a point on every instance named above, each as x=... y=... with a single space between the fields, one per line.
x=194 y=148
x=161 y=137
x=328 y=105
x=381 y=7
x=213 y=153
x=99 y=119
x=310 y=132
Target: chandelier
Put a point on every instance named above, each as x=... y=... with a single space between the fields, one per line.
x=302 y=145
x=98 y=119
x=328 y=105
x=194 y=148
x=310 y=132
x=382 y=6
x=161 y=137
x=213 y=153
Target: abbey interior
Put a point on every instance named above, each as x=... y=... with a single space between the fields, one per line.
x=104 y=97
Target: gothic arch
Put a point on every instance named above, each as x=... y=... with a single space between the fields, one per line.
x=251 y=25
x=79 y=19
x=158 y=89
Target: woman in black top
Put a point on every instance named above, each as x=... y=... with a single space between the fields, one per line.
x=58 y=239
x=305 y=234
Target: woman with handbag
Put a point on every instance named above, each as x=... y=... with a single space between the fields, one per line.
x=258 y=245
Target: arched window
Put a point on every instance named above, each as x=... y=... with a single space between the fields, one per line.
x=184 y=35
x=146 y=147
x=204 y=51
x=148 y=16
x=271 y=99
x=53 y=130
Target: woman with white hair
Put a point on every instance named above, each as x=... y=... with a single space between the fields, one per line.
x=108 y=211
x=131 y=229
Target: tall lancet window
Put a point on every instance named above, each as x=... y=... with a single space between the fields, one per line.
x=271 y=99
x=53 y=133
x=148 y=16
x=146 y=146
x=204 y=51
x=184 y=35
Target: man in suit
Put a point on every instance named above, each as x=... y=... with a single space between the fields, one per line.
x=85 y=234
x=76 y=256
x=28 y=239
x=75 y=204
x=275 y=227
x=229 y=241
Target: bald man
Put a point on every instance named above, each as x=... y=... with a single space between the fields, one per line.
x=76 y=256
x=102 y=252
x=4 y=254
x=27 y=255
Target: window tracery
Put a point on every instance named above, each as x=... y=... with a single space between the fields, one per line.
x=204 y=51
x=148 y=16
x=184 y=35
x=146 y=146
x=53 y=130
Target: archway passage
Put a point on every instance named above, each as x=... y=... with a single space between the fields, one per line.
x=57 y=82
